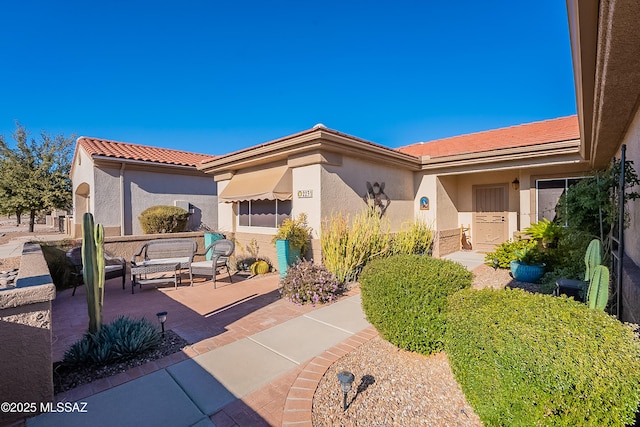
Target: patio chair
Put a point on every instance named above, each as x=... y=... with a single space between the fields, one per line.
x=221 y=251
x=114 y=267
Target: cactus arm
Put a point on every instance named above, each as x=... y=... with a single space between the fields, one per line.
x=598 y=293
x=100 y=261
x=592 y=258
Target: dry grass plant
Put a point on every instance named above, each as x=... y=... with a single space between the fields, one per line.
x=348 y=245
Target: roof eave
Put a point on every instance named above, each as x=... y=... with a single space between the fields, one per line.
x=567 y=151
x=119 y=160
x=313 y=140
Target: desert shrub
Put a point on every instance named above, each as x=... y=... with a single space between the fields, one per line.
x=414 y=238
x=307 y=282
x=121 y=339
x=531 y=360
x=346 y=248
x=405 y=298
x=163 y=219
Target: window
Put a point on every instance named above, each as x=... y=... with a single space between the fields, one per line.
x=263 y=213
x=548 y=193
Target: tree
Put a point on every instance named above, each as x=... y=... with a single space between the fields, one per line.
x=34 y=176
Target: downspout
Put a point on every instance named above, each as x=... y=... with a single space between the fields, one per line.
x=122 y=199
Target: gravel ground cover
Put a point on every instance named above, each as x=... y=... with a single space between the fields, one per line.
x=399 y=388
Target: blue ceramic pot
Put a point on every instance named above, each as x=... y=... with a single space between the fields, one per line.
x=525 y=272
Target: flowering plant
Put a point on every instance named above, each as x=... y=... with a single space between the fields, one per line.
x=307 y=282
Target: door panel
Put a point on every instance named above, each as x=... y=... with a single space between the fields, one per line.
x=490 y=217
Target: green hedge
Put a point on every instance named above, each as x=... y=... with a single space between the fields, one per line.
x=163 y=219
x=528 y=359
x=405 y=298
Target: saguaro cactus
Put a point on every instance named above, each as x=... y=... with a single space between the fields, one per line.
x=93 y=269
x=598 y=293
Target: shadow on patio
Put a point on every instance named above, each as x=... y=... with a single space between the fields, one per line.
x=205 y=317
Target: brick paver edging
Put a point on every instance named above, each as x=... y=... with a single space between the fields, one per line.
x=299 y=403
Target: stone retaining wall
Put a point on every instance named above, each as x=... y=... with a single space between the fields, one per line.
x=25 y=336
x=447 y=242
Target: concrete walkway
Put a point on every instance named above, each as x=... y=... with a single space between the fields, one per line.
x=188 y=393
x=470 y=259
x=13 y=248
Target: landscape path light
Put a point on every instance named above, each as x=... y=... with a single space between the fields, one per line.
x=162 y=317
x=346 y=380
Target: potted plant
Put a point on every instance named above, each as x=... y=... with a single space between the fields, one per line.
x=529 y=264
x=292 y=241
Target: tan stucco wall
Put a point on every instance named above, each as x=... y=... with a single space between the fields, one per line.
x=226 y=215
x=145 y=188
x=447 y=199
x=105 y=197
x=26 y=371
x=308 y=179
x=426 y=186
x=82 y=174
x=632 y=140
x=344 y=186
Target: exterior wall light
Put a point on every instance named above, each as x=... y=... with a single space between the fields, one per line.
x=346 y=380
x=515 y=184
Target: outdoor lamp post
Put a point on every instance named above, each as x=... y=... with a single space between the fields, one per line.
x=162 y=317
x=346 y=379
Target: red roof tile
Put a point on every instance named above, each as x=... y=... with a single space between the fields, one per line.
x=553 y=130
x=124 y=150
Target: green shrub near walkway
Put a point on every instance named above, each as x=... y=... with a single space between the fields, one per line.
x=534 y=360
x=405 y=298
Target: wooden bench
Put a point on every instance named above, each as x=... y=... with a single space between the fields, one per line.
x=165 y=251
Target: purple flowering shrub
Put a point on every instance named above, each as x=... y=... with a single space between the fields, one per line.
x=307 y=282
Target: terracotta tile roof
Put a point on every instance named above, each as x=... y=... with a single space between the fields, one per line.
x=553 y=130
x=124 y=150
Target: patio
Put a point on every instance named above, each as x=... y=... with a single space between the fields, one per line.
x=207 y=318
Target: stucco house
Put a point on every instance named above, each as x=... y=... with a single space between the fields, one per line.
x=494 y=182
x=116 y=181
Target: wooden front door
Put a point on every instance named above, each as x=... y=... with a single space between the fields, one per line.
x=490 y=219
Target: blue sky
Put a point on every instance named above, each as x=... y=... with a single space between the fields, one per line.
x=217 y=76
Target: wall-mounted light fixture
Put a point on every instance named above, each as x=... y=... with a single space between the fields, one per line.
x=515 y=184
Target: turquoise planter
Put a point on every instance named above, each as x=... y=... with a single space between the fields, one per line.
x=525 y=272
x=286 y=256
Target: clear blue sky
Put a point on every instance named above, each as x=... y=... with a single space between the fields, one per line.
x=216 y=76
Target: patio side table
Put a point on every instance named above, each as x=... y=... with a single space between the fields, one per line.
x=150 y=267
